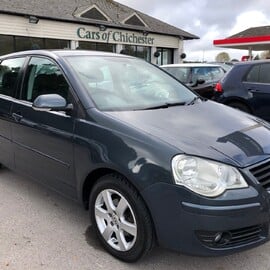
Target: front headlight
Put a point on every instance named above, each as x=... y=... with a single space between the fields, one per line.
x=205 y=177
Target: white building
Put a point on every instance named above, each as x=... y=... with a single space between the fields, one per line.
x=88 y=24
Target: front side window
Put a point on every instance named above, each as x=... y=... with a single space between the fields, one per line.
x=9 y=73
x=44 y=77
x=116 y=83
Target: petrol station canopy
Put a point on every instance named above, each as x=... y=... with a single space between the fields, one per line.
x=252 y=39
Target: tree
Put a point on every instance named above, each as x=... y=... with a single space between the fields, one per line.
x=265 y=55
x=223 y=57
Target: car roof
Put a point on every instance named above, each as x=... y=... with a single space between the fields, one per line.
x=54 y=53
x=252 y=62
x=192 y=65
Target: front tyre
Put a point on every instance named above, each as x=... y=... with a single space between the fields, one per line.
x=120 y=218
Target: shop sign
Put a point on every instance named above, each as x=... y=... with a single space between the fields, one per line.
x=116 y=36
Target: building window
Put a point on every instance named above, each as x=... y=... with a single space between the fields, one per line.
x=56 y=44
x=165 y=56
x=10 y=44
x=6 y=44
x=28 y=43
x=138 y=51
x=96 y=46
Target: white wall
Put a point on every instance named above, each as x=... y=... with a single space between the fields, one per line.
x=20 y=26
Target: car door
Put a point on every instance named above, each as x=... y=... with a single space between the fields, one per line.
x=9 y=74
x=44 y=140
x=257 y=84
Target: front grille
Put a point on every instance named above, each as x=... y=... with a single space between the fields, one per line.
x=262 y=174
x=231 y=238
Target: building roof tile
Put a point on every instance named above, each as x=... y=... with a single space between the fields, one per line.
x=253 y=32
x=69 y=10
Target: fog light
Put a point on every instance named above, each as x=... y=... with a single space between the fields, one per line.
x=222 y=238
x=214 y=239
x=218 y=237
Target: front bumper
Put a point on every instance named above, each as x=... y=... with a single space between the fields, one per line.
x=186 y=222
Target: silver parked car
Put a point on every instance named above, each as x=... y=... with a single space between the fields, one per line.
x=200 y=77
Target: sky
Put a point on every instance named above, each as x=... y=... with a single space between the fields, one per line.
x=208 y=19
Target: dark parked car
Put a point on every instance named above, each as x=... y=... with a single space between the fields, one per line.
x=198 y=76
x=247 y=87
x=153 y=162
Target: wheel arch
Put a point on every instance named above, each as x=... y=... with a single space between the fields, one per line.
x=90 y=181
x=238 y=100
x=93 y=177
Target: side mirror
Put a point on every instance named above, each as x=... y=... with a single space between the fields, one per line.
x=196 y=82
x=200 y=81
x=51 y=102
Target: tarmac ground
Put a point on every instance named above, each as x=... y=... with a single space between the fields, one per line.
x=40 y=229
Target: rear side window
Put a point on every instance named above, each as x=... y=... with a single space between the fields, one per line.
x=208 y=74
x=253 y=75
x=180 y=73
x=259 y=74
x=9 y=73
x=264 y=73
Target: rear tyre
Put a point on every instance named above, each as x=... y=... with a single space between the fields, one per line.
x=240 y=106
x=120 y=218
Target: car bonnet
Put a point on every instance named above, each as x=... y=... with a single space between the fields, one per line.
x=205 y=129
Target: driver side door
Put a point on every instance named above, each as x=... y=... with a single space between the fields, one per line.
x=43 y=140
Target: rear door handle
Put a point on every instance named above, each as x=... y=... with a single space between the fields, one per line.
x=254 y=90
x=17 y=117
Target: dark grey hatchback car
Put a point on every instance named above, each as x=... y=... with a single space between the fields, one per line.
x=153 y=162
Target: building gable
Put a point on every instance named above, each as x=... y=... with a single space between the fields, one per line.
x=135 y=20
x=94 y=13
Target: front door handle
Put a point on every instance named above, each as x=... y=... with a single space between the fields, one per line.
x=17 y=117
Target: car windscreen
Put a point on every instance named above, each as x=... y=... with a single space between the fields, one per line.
x=123 y=83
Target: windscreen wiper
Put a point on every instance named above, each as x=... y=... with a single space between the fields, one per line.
x=194 y=100
x=164 y=105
